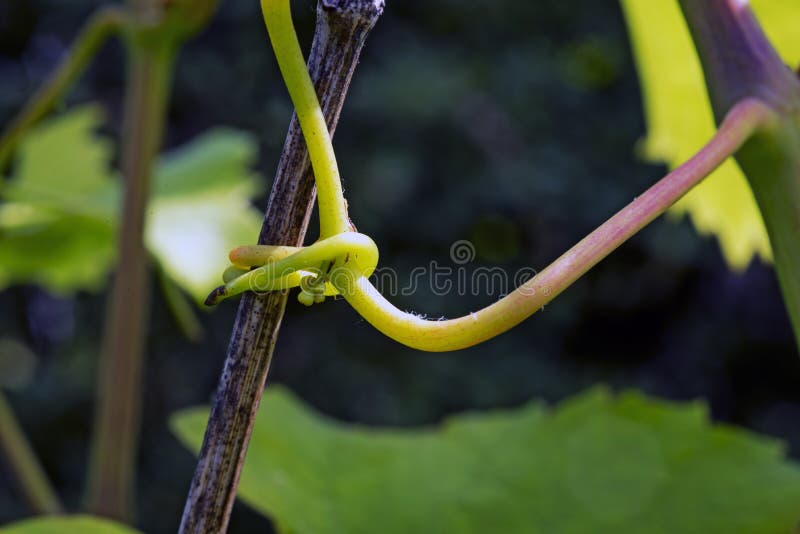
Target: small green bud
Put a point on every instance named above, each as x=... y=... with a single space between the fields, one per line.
x=305 y=298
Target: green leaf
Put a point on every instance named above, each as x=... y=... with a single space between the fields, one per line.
x=594 y=464
x=59 y=217
x=57 y=221
x=57 y=251
x=66 y=525
x=201 y=208
x=63 y=165
x=680 y=119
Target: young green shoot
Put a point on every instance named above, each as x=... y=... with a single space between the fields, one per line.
x=341 y=261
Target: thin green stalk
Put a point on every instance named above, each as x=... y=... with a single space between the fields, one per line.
x=740 y=62
x=354 y=256
x=154 y=29
x=181 y=308
x=103 y=24
x=153 y=42
x=771 y=162
x=25 y=467
x=115 y=442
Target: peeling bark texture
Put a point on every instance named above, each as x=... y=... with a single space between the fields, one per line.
x=342 y=28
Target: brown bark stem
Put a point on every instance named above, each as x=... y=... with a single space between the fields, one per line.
x=116 y=435
x=342 y=28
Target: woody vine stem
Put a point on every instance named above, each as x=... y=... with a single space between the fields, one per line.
x=341 y=31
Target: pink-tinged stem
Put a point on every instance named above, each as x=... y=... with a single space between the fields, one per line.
x=745 y=118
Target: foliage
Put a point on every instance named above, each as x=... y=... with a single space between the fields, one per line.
x=201 y=208
x=58 y=222
x=66 y=525
x=594 y=464
x=680 y=119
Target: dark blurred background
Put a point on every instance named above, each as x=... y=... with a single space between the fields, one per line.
x=510 y=124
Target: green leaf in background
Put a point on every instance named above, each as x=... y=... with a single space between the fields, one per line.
x=59 y=216
x=594 y=464
x=64 y=166
x=57 y=221
x=66 y=525
x=201 y=208
x=680 y=119
x=67 y=253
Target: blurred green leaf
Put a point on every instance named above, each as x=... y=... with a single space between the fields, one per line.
x=58 y=222
x=65 y=254
x=66 y=525
x=680 y=119
x=64 y=166
x=201 y=208
x=594 y=464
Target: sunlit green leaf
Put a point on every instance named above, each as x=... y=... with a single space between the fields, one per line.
x=56 y=224
x=66 y=253
x=65 y=166
x=594 y=464
x=680 y=119
x=201 y=208
x=66 y=525
x=60 y=212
